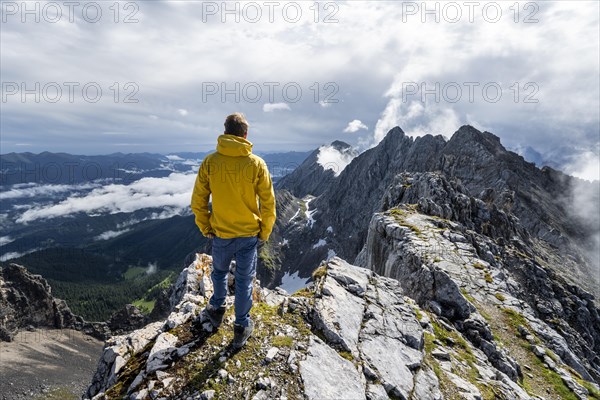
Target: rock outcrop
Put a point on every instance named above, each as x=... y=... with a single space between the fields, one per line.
x=353 y=334
x=26 y=301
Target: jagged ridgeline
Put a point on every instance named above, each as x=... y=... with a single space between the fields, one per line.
x=473 y=276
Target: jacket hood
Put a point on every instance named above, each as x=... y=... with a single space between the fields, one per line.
x=235 y=146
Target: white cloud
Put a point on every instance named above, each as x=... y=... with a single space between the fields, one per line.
x=354 y=126
x=331 y=158
x=152 y=268
x=270 y=107
x=111 y=234
x=173 y=193
x=13 y=254
x=586 y=165
x=174 y=157
x=5 y=240
x=28 y=190
x=367 y=55
x=183 y=112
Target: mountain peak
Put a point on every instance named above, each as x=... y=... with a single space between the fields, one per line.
x=395 y=131
x=467 y=135
x=339 y=145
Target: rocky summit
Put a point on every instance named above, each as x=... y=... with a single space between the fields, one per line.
x=354 y=334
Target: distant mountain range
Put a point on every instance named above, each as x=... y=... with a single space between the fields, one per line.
x=64 y=168
x=89 y=219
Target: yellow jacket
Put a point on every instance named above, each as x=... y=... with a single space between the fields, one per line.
x=243 y=201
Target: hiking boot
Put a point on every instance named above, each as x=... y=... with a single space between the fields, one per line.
x=215 y=315
x=241 y=334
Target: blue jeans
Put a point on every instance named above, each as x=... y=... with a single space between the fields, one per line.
x=244 y=251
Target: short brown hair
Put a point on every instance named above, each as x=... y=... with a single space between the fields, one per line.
x=236 y=124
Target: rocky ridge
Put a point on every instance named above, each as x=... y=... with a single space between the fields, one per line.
x=353 y=334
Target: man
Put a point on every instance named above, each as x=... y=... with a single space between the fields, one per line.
x=243 y=212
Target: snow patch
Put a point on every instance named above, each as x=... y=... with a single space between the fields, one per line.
x=295 y=215
x=329 y=229
x=320 y=243
x=310 y=221
x=330 y=254
x=292 y=283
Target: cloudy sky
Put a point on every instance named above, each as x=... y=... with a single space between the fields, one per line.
x=169 y=73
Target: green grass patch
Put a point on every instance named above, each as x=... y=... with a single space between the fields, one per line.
x=500 y=296
x=551 y=377
x=282 y=341
x=448 y=389
x=546 y=380
x=304 y=292
x=463 y=353
x=467 y=295
x=515 y=318
x=198 y=370
x=479 y=266
x=319 y=272
x=594 y=393
x=145 y=306
x=413 y=228
x=488 y=277
x=397 y=213
x=418 y=313
x=400 y=217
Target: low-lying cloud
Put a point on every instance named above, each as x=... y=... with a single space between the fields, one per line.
x=111 y=234
x=30 y=190
x=331 y=158
x=171 y=193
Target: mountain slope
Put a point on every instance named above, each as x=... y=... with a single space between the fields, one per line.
x=26 y=301
x=554 y=209
x=353 y=335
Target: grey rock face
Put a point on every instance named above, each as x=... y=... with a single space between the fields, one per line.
x=324 y=370
x=26 y=299
x=446 y=267
x=486 y=188
x=391 y=353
